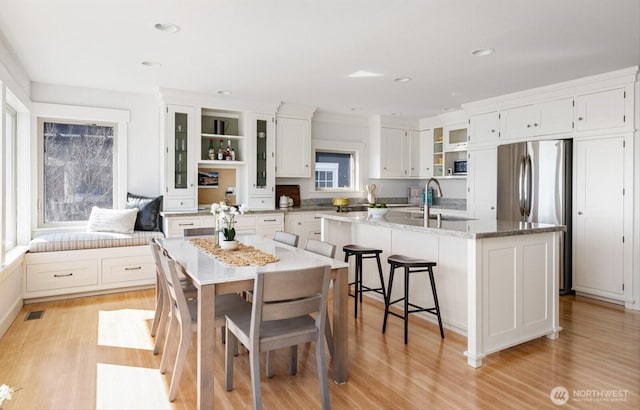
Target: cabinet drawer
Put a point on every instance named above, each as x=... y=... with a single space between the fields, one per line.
x=180 y=204
x=311 y=217
x=270 y=220
x=59 y=275
x=178 y=225
x=128 y=269
x=263 y=203
x=245 y=222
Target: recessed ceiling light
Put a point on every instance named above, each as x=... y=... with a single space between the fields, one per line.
x=167 y=27
x=402 y=79
x=151 y=64
x=483 y=52
x=224 y=92
x=363 y=73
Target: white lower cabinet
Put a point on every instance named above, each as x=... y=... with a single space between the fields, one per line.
x=599 y=217
x=267 y=224
x=304 y=224
x=482 y=183
x=258 y=223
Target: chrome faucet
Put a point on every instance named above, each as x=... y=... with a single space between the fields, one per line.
x=427 y=208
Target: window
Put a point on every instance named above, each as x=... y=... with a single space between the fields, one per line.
x=10 y=177
x=334 y=170
x=82 y=162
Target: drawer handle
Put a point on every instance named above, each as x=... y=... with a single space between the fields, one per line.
x=268 y=220
x=319 y=217
x=189 y=224
x=317 y=233
x=136 y=268
x=55 y=275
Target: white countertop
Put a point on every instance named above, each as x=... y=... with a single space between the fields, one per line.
x=473 y=229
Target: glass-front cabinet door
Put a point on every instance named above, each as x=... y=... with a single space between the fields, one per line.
x=262 y=173
x=180 y=151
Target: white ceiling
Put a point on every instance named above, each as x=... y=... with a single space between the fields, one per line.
x=301 y=51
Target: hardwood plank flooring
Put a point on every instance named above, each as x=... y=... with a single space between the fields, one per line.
x=95 y=352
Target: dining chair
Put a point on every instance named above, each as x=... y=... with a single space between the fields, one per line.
x=281 y=317
x=183 y=319
x=286 y=238
x=199 y=231
x=161 y=315
x=329 y=250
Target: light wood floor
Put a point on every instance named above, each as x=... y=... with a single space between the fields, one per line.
x=95 y=352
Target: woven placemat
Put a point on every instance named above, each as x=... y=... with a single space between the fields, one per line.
x=242 y=256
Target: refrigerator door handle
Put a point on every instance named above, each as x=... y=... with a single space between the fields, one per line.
x=529 y=186
x=521 y=182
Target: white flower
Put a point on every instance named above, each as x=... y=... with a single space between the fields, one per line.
x=5 y=392
x=226 y=216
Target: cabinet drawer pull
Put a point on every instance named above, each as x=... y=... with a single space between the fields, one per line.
x=189 y=224
x=268 y=220
x=317 y=233
x=317 y=217
x=136 y=268
x=55 y=275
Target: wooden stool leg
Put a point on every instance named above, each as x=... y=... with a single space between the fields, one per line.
x=406 y=304
x=384 y=293
x=388 y=298
x=435 y=299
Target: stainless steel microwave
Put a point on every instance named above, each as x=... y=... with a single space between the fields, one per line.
x=460 y=167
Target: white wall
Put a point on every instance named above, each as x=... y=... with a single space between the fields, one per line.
x=144 y=136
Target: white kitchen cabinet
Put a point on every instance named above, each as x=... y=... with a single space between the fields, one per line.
x=484 y=129
x=422 y=153
x=455 y=137
x=259 y=223
x=304 y=224
x=262 y=165
x=293 y=147
x=601 y=110
x=267 y=224
x=482 y=183
x=395 y=157
x=180 y=161
x=551 y=117
x=599 y=217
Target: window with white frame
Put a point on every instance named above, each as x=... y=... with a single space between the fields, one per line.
x=82 y=162
x=337 y=165
x=10 y=211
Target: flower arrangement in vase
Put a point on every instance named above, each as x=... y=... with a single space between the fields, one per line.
x=226 y=219
x=5 y=393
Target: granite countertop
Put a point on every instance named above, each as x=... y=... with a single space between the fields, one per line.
x=472 y=228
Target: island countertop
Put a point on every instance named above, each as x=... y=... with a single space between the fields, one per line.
x=470 y=228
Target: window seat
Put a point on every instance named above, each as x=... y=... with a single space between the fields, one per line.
x=68 y=241
x=73 y=264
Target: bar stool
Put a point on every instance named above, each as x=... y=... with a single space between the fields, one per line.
x=363 y=252
x=410 y=265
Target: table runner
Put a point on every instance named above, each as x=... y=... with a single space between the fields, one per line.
x=244 y=255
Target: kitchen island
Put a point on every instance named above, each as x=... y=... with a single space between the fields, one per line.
x=497 y=281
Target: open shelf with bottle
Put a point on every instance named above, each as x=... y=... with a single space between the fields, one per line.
x=438 y=152
x=221 y=138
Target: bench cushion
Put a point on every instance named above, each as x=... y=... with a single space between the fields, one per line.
x=69 y=241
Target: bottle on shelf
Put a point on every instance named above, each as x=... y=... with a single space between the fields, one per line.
x=212 y=150
x=228 y=151
x=220 y=152
x=233 y=154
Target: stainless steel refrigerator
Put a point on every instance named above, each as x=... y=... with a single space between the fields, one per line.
x=534 y=185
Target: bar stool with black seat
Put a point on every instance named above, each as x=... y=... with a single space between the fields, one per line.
x=363 y=252
x=410 y=265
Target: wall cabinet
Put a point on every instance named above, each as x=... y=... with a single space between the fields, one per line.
x=293 y=147
x=180 y=181
x=482 y=183
x=304 y=224
x=601 y=110
x=262 y=165
x=599 y=217
x=422 y=154
x=551 y=117
x=484 y=129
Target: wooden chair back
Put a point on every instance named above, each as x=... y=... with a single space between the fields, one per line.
x=286 y=238
x=320 y=247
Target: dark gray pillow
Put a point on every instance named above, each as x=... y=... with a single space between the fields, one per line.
x=148 y=218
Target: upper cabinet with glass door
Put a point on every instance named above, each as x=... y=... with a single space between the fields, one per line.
x=180 y=187
x=262 y=168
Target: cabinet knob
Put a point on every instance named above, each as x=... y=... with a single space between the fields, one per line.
x=579 y=212
x=580 y=118
x=493 y=130
x=528 y=125
x=492 y=208
x=535 y=124
x=306 y=166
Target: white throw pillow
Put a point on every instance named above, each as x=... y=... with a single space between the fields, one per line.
x=112 y=220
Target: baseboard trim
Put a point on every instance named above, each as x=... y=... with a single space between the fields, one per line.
x=11 y=315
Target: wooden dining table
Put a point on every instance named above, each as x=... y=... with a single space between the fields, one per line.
x=211 y=277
